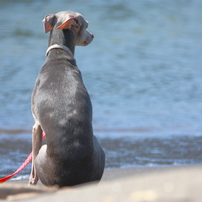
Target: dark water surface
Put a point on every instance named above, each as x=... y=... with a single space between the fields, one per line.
x=143 y=72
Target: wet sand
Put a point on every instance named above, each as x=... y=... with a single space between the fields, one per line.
x=158 y=184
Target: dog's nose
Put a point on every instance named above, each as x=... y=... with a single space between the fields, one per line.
x=92 y=36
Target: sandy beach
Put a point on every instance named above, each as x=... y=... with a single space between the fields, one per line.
x=158 y=184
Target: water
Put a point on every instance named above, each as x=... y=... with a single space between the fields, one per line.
x=143 y=72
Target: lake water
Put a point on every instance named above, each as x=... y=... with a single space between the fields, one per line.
x=143 y=72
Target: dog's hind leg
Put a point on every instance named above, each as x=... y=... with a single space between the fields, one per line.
x=44 y=167
x=36 y=145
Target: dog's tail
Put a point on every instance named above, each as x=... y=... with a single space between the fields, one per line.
x=26 y=162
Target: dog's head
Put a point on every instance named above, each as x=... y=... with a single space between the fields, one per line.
x=69 y=20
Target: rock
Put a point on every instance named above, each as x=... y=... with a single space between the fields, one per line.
x=148 y=184
x=13 y=191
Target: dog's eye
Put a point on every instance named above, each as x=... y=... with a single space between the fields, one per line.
x=77 y=22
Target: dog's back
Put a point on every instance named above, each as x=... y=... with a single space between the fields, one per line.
x=64 y=111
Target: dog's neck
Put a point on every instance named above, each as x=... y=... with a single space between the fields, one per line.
x=62 y=38
x=57 y=46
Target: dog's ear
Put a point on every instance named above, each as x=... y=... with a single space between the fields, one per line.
x=48 y=22
x=67 y=23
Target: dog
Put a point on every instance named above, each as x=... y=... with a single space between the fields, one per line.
x=62 y=109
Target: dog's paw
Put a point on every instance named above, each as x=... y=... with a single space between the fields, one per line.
x=32 y=181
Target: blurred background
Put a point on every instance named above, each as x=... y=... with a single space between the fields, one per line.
x=143 y=72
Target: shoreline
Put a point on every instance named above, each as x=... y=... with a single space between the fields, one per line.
x=166 y=183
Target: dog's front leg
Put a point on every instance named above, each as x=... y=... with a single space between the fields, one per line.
x=36 y=145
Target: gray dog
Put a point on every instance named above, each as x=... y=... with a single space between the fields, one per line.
x=62 y=108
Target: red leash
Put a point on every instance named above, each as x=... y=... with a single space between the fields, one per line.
x=27 y=161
